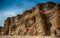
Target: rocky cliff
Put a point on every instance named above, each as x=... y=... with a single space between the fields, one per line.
x=41 y=20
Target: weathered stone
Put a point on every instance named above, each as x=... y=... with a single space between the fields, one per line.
x=42 y=20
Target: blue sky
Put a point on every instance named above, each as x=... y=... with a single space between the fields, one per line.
x=9 y=8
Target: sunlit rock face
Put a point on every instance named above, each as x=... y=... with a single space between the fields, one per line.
x=41 y=20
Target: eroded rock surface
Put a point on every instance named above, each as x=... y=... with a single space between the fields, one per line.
x=42 y=20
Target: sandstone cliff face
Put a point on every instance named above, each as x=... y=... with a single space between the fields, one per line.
x=42 y=20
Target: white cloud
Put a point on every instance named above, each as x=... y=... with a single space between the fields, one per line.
x=9 y=13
